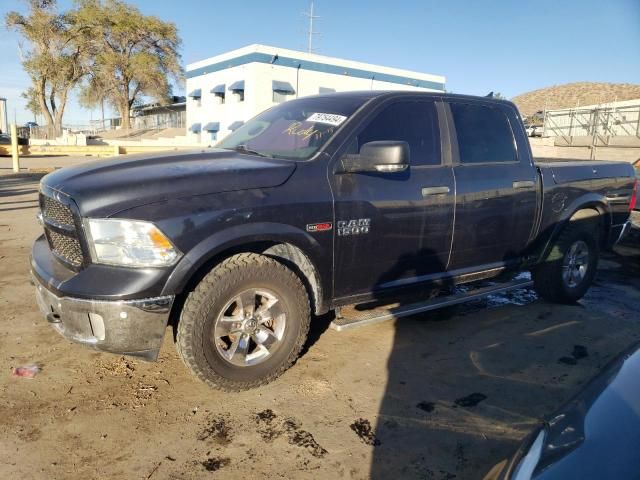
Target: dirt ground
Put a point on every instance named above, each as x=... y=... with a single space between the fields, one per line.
x=438 y=396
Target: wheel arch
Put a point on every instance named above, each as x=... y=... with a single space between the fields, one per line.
x=293 y=247
x=582 y=209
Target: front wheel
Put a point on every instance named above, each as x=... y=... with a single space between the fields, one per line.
x=569 y=269
x=244 y=324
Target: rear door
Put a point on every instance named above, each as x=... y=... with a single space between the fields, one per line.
x=394 y=228
x=496 y=186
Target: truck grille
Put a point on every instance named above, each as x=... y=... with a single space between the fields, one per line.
x=60 y=230
x=66 y=247
x=56 y=211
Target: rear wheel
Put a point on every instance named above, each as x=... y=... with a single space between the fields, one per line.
x=245 y=323
x=569 y=269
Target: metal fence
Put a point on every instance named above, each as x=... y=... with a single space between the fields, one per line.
x=604 y=121
x=156 y=121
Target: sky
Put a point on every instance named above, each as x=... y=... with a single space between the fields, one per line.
x=504 y=46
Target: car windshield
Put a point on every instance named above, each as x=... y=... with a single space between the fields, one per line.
x=295 y=130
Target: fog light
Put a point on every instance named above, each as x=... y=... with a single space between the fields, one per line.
x=97 y=325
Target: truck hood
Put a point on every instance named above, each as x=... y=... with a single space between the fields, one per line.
x=105 y=187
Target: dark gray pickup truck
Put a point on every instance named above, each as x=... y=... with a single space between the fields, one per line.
x=317 y=204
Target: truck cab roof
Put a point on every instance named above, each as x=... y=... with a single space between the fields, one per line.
x=370 y=94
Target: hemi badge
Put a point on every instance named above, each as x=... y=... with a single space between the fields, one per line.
x=319 y=227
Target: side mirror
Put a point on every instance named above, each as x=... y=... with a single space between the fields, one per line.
x=381 y=156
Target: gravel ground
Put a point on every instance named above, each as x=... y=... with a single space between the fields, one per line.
x=438 y=396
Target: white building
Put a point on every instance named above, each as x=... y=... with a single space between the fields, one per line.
x=4 y=125
x=226 y=90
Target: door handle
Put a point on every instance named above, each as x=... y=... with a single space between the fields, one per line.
x=426 y=191
x=523 y=184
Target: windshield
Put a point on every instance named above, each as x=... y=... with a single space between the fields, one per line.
x=295 y=130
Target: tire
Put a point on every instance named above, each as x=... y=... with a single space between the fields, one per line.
x=560 y=280
x=231 y=350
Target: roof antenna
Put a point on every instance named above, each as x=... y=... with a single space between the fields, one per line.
x=310 y=32
x=490 y=94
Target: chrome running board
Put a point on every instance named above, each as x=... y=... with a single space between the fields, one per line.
x=351 y=317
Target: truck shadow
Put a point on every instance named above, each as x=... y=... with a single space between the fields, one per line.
x=12 y=186
x=465 y=385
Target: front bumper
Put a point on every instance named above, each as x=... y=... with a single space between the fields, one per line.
x=129 y=327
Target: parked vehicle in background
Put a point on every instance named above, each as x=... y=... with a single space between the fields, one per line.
x=534 y=130
x=317 y=204
x=593 y=436
x=5 y=139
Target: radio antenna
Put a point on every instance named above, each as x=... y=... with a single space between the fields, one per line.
x=311 y=32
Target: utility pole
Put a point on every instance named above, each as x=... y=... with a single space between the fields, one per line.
x=310 y=32
x=14 y=148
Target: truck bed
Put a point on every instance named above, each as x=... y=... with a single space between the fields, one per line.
x=567 y=170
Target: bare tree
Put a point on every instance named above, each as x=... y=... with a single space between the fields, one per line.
x=133 y=55
x=33 y=104
x=53 y=56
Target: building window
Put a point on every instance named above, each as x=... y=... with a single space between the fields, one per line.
x=237 y=88
x=218 y=93
x=281 y=91
x=196 y=95
x=235 y=125
x=212 y=128
x=279 y=97
x=196 y=128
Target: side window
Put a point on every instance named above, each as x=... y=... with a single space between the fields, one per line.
x=484 y=134
x=413 y=122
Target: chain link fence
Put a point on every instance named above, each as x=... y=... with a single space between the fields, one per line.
x=156 y=121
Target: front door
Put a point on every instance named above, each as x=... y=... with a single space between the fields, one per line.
x=394 y=229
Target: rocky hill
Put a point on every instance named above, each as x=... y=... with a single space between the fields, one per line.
x=575 y=94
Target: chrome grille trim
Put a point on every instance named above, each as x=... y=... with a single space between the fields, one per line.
x=66 y=247
x=56 y=211
x=60 y=230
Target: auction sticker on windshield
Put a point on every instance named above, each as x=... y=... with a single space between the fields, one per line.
x=328 y=118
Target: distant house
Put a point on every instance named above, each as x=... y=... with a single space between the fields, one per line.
x=226 y=90
x=155 y=115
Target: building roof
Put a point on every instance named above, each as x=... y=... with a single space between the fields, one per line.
x=310 y=61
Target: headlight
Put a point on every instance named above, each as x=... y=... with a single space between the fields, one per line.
x=528 y=464
x=130 y=243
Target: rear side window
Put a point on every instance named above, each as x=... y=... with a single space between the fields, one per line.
x=484 y=134
x=413 y=122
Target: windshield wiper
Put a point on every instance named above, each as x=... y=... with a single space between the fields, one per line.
x=244 y=149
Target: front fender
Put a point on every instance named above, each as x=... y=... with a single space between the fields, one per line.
x=238 y=235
